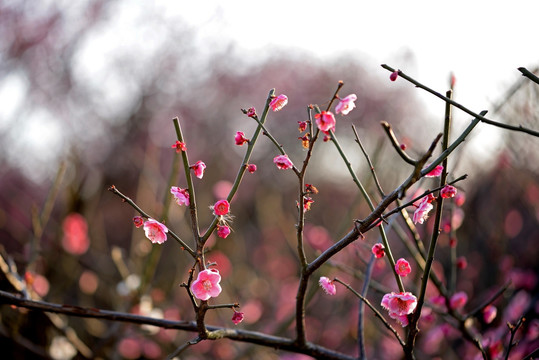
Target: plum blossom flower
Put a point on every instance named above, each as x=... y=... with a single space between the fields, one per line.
x=378 y=250
x=422 y=212
x=458 y=300
x=240 y=138
x=199 y=168
x=346 y=104
x=278 y=102
x=223 y=231
x=181 y=195
x=237 y=317
x=283 y=162
x=311 y=189
x=138 y=221
x=394 y=75
x=179 y=146
x=302 y=126
x=207 y=284
x=307 y=201
x=402 y=267
x=448 y=191
x=327 y=285
x=251 y=112
x=437 y=171
x=305 y=140
x=489 y=313
x=325 y=121
x=399 y=305
x=251 y=168
x=155 y=231
x=462 y=263
x=221 y=207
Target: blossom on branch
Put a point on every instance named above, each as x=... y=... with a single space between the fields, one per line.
x=240 y=138
x=325 y=121
x=402 y=267
x=223 y=231
x=448 y=191
x=437 y=171
x=346 y=104
x=207 y=284
x=179 y=146
x=199 y=168
x=283 y=162
x=458 y=300
x=155 y=231
x=422 y=212
x=378 y=250
x=489 y=313
x=302 y=126
x=181 y=195
x=251 y=112
x=138 y=221
x=237 y=317
x=327 y=285
x=394 y=75
x=251 y=168
x=221 y=207
x=278 y=102
x=399 y=305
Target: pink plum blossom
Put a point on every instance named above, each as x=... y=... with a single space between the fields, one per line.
x=302 y=126
x=283 y=162
x=394 y=75
x=402 y=267
x=378 y=250
x=251 y=112
x=251 y=168
x=240 y=138
x=422 y=212
x=138 y=221
x=327 y=285
x=155 y=231
x=199 y=168
x=223 y=231
x=437 y=171
x=179 y=146
x=346 y=104
x=448 y=191
x=325 y=121
x=181 y=195
x=489 y=313
x=278 y=102
x=462 y=263
x=307 y=201
x=399 y=305
x=221 y=207
x=237 y=317
x=207 y=284
x=458 y=300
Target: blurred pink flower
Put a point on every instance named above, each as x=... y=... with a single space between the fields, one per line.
x=251 y=112
x=399 y=305
x=394 y=75
x=237 y=317
x=402 y=267
x=325 y=121
x=378 y=250
x=327 y=285
x=302 y=126
x=448 y=191
x=240 y=138
x=138 y=221
x=181 y=195
x=437 y=171
x=458 y=300
x=207 y=284
x=223 y=231
x=489 y=313
x=283 y=162
x=346 y=104
x=155 y=231
x=221 y=207
x=460 y=199
x=462 y=263
x=422 y=212
x=251 y=168
x=199 y=168
x=75 y=240
x=179 y=146
x=278 y=102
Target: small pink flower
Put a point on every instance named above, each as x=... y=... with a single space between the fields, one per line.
x=207 y=284
x=283 y=162
x=327 y=285
x=394 y=75
x=422 y=212
x=462 y=263
x=199 y=168
x=240 y=138
x=221 y=207
x=179 y=146
x=251 y=112
x=346 y=105
x=223 y=231
x=307 y=201
x=251 y=168
x=403 y=146
x=75 y=239
x=181 y=195
x=155 y=231
x=378 y=250
x=460 y=199
x=302 y=126
x=448 y=191
x=138 y=221
x=325 y=121
x=237 y=317
x=458 y=300
x=399 y=305
x=489 y=313
x=402 y=267
x=437 y=171
x=278 y=102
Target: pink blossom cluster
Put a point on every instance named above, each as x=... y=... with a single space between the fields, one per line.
x=399 y=305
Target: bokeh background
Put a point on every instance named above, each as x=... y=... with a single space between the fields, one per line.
x=87 y=94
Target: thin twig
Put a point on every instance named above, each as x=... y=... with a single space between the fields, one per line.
x=527 y=73
x=395 y=143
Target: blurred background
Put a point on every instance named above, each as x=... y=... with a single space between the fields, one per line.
x=87 y=94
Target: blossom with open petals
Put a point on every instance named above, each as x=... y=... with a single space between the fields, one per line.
x=283 y=162
x=181 y=195
x=422 y=212
x=138 y=221
x=179 y=146
x=278 y=102
x=302 y=126
x=327 y=285
x=251 y=112
x=346 y=104
x=199 y=168
x=221 y=207
x=237 y=317
x=402 y=267
x=448 y=191
x=207 y=284
x=378 y=250
x=155 y=231
x=437 y=171
x=240 y=138
x=458 y=300
x=223 y=231
x=325 y=121
x=399 y=305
